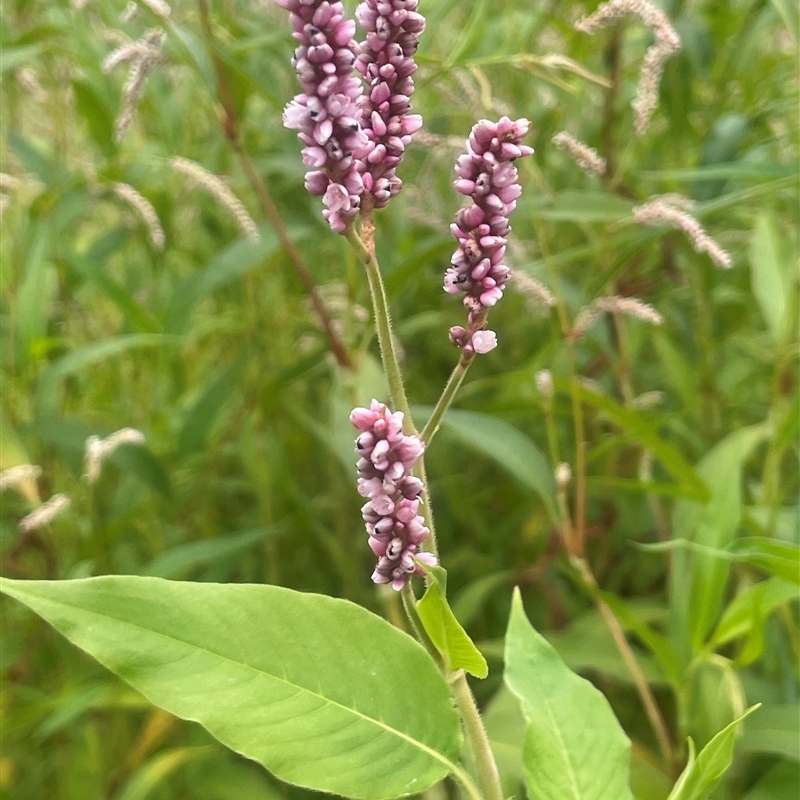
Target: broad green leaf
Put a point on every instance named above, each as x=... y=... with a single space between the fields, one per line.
x=752 y=604
x=704 y=771
x=775 y=729
x=769 y=285
x=179 y=561
x=574 y=747
x=640 y=427
x=714 y=698
x=201 y=416
x=150 y=775
x=323 y=693
x=445 y=631
x=698 y=581
x=507 y=445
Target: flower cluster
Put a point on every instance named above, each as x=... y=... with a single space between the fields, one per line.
x=487 y=175
x=327 y=112
x=386 y=61
x=395 y=528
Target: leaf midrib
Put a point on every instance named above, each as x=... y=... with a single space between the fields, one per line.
x=378 y=723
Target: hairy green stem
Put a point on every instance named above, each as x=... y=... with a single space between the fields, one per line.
x=448 y=394
x=364 y=247
x=485 y=765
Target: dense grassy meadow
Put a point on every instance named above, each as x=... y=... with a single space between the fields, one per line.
x=682 y=437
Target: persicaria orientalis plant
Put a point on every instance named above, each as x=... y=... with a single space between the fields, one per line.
x=388 y=715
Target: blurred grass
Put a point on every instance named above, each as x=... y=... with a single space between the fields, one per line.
x=211 y=349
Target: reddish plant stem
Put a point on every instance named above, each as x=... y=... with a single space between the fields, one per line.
x=229 y=123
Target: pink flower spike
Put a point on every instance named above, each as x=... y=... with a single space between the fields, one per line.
x=386 y=455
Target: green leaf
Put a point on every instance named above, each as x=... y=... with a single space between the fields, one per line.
x=199 y=420
x=90 y=354
x=640 y=427
x=445 y=630
x=751 y=606
x=698 y=581
x=775 y=729
x=574 y=747
x=507 y=445
x=703 y=772
x=157 y=769
x=139 y=461
x=471 y=599
x=782 y=781
x=229 y=264
x=179 y=561
x=12 y=57
x=769 y=286
x=320 y=691
x=714 y=698
x=781 y=559
x=585 y=206
x=35 y=294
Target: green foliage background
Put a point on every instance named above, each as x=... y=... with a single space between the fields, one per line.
x=211 y=349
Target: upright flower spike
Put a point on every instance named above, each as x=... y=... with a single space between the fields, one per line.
x=386 y=61
x=487 y=175
x=327 y=112
x=396 y=529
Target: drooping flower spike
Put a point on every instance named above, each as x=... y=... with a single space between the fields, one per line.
x=327 y=112
x=391 y=515
x=487 y=175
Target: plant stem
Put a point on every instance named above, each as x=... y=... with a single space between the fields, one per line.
x=651 y=708
x=231 y=128
x=446 y=399
x=364 y=247
x=485 y=766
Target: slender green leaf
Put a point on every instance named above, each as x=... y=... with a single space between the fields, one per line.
x=782 y=781
x=323 y=693
x=714 y=698
x=179 y=561
x=697 y=581
x=775 y=729
x=229 y=264
x=200 y=418
x=585 y=206
x=150 y=775
x=641 y=428
x=471 y=599
x=769 y=285
x=704 y=771
x=781 y=559
x=508 y=446
x=445 y=631
x=91 y=354
x=751 y=606
x=574 y=747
